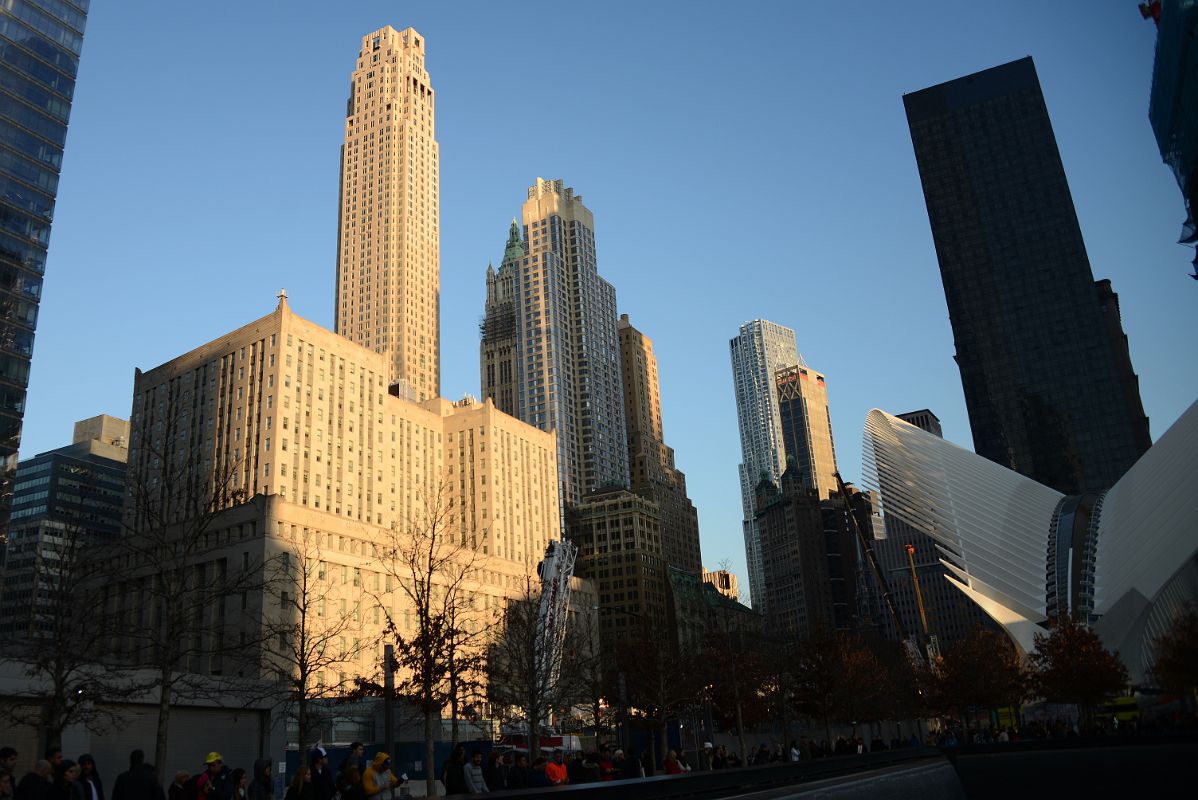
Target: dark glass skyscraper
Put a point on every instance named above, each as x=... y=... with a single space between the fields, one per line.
x=1048 y=383
x=40 y=42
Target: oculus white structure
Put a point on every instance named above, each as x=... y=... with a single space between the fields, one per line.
x=1124 y=560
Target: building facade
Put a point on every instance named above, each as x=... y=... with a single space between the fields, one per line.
x=41 y=42
x=651 y=461
x=65 y=501
x=1173 y=108
x=950 y=615
x=618 y=534
x=560 y=370
x=807 y=427
x=388 y=249
x=758 y=352
x=1045 y=381
x=1122 y=561
x=310 y=458
x=724 y=582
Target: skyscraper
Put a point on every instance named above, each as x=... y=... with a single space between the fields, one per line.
x=807 y=426
x=758 y=352
x=388 y=250
x=651 y=461
x=550 y=354
x=40 y=43
x=1048 y=385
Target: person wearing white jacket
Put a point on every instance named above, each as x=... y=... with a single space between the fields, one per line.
x=474 y=775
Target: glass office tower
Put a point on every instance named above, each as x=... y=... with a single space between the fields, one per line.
x=40 y=42
x=1044 y=363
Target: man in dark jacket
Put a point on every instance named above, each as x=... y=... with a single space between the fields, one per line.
x=139 y=783
x=322 y=777
x=261 y=788
x=36 y=784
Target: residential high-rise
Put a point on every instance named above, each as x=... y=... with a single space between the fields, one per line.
x=1050 y=390
x=388 y=249
x=758 y=352
x=807 y=426
x=650 y=459
x=550 y=354
x=41 y=41
x=65 y=501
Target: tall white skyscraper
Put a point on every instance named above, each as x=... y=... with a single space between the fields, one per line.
x=389 y=251
x=550 y=351
x=758 y=352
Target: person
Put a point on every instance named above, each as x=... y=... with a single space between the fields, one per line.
x=89 y=777
x=670 y=766
x=139 y=782
x=261 y=787
x=473 y=773
x=322 y=777
x=453 y=774
x=349 y=782
x=5 y=785
x=181 y=787
x=35 y=785
x=66 y=781
x=607 y=764
x=301 y=786
x=494 y=773
x=555 y=770
x=682 y=762
x=357 y=755
x=538 y=776
x=647 y=765
x=705 y=756
x=237 y=780
x=379 y=782
x=795 y=753
x=719 y=759
x=8 y=763
x=518 y=777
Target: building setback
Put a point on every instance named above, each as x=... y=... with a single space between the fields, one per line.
x=550 y=353
x=295 y=423
x=41 y=41
x=758 y=352
x=651 y=460
x=1050 y=390
x=388 y=248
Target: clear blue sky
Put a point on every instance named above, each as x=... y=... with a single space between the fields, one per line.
x=742 y=160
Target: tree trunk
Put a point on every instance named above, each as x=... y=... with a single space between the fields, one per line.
x=453 y=704
x=740 y=732
x=534 y=736
x=430 y=753
x=665 y=739
x=301 y=739
x=165 y=685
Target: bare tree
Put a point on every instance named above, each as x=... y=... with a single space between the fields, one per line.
x=183 y=504
x=526 y=686
x=432 y=560
x=308 y=641
x=62 y=636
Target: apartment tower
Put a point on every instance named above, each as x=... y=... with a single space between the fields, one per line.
x=652 y=461
x=41 y=41
x=388 y=250
x=1048 y=383
x=758 y=352
x=550 y=353
x=807 y=427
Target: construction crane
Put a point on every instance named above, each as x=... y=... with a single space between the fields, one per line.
x=914 y=652
x=933 y=644
x=555 y=572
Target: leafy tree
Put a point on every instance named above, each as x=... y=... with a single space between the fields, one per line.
x=1070 y=665
x=1176 y=667
x=981 y=671
x=837 y=678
